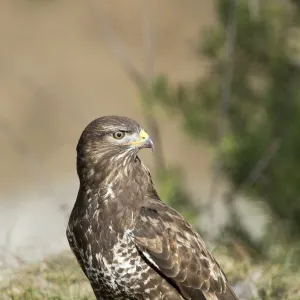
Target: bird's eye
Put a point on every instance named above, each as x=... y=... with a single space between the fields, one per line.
x=118 y=135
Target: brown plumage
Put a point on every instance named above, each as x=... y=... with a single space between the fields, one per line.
x=128 y=242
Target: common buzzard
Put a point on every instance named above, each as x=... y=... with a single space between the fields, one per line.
x=129 y=243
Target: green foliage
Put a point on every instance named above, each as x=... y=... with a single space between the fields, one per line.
x=171 y=190
x=170 y=179
x=264 y=107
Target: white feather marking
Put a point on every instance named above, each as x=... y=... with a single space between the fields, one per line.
x=116 y=272
x=146 y=281
x=212 y=272
x=210 y=296
x=146 y=254
x=96 y=214
x=98 y=256
x=110 y=191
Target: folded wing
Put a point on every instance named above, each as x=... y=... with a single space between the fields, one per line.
x=170 y=245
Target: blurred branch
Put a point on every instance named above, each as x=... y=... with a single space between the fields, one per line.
x=19 y=145
x=226 y=94
x=46 y=95
x=22 y=149
x=296 y=3
x=117 y=46
x=264 y=162
x=258 y=168
x=254 y=175
x=143 y=82
x=148 y=40
x=254 y=8
x=149 y=71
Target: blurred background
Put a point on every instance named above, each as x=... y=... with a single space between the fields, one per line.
x=217 y=85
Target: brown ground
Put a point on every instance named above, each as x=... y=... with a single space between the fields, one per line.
x=57 y=73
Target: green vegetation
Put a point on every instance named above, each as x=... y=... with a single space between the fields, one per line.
x=172 y=190
x=255 y=130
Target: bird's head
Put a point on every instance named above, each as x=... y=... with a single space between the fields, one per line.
x=112 y=138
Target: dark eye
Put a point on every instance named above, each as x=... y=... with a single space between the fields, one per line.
x=118 y=135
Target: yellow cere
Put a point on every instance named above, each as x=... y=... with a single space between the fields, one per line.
x=143 y=136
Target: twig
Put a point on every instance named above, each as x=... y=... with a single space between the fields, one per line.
x=142 y=82
x=263 y=162
x=118 y=48
x=226 y=93
x=254 y=8
x=20 y=146
x=258 y=168
x=254 y=174
x=149 y=71
x=44 y=94
x=148 y=40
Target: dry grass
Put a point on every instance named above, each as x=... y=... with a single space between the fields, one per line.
x=60 y=278
x=268 y=280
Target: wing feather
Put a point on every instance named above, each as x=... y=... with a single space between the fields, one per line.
x=170 y=244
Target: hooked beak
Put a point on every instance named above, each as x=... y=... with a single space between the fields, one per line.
x=148 y=143
x=143 y=141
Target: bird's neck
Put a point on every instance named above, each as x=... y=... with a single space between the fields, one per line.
x=117 y=187
x=100 y=171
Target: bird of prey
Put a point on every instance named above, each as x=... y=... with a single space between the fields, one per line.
x=128 y=242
